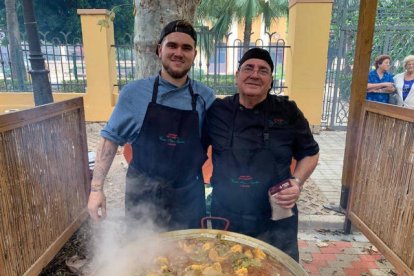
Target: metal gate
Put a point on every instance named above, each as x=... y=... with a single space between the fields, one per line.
x=394 y=33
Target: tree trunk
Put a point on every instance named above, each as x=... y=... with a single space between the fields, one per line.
x=151 y=17
x=16 y=55
x=247 y=34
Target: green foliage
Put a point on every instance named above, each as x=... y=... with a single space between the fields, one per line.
x=2 y=16
x=13 y=86
x=71 y=86
x=54 y=17
x=221 y=84
x=223 y=13
x=393 y=36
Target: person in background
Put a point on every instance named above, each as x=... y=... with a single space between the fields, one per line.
x=254 y=136
x=404 y=82
x=380 y=81
x=161 y=116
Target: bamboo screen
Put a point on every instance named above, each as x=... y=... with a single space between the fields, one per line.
x=382 y=196
x=43 y=183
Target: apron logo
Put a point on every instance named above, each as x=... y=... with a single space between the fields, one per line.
x=171 y=139
x=245 y=181
x=277 y=122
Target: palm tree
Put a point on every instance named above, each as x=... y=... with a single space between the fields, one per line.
x=222 y=13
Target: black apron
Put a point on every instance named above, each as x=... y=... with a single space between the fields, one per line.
x=164 y=181
x=241 y=179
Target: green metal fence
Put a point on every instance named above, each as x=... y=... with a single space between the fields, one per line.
x=394 y=35
x=64 y=59
x=67 y=73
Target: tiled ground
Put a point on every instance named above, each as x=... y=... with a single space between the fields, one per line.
x=335 y=254
x=328 y=173
x=330 y=258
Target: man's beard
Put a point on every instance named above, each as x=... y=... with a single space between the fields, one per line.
x=176 y=74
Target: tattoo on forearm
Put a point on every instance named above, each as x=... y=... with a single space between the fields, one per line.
x=104 y=157
x=96 y=188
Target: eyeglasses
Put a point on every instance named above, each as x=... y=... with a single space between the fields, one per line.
x=409 y=64
x=249 y=70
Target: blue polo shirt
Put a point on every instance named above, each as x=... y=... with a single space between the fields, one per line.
x=374 y=78
x=128 y=116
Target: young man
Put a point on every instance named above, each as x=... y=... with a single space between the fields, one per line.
x=254 y=136
x=160 y=117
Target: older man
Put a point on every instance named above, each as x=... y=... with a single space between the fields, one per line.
x=254 y=136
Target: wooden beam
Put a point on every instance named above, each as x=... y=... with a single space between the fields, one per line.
x=366 y=26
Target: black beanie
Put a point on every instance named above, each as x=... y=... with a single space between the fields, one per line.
x=258 y=53
x=181 y=26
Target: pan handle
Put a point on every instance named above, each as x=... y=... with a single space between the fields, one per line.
x=205 y=219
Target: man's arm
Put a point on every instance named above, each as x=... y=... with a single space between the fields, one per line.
x=304 y=168
x=104 y=158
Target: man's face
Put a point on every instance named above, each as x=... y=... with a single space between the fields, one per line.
x=254 y=78
x=177 y=52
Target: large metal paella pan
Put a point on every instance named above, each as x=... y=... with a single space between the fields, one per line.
x=181 y=253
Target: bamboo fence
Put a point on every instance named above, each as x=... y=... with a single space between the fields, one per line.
x=382 y=193
x=43 y=183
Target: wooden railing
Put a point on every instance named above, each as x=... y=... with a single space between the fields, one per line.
x=43 y=184
x=382 y=191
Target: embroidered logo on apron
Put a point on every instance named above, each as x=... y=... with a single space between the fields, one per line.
x=245 y=181
x=171 y=139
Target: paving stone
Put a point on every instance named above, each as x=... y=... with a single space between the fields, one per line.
x=353 y=251
x=350 y=271
x=324 y=256
x=347 y=258
x=312 y=269
x=364 y=264
x=340 y=263
x=342 y=244
x=305 y=257
x=334 y=271
x=379 y=272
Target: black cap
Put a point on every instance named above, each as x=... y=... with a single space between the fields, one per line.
x=181 y=26
x=258 y=53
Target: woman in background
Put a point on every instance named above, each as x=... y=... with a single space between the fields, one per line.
x=404 y=82
x=380 y=81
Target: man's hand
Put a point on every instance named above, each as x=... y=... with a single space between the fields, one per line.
x=288 y=197
x=97 y=205
x=104 y=157
x=304 y=168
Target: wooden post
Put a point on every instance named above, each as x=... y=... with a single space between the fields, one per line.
x=366 y=26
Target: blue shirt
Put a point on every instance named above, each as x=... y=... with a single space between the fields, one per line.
x=374 y=78
x=127 y=118
x=406 y=88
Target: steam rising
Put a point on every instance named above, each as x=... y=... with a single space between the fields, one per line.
x=122 y=245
